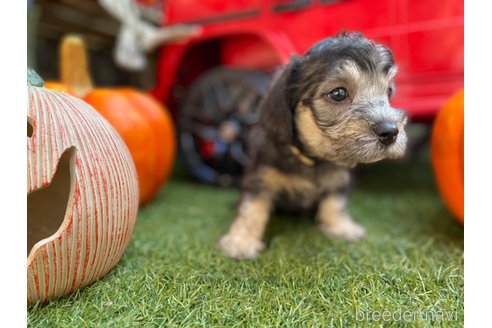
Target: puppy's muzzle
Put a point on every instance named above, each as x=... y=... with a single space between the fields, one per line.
x=386 y=132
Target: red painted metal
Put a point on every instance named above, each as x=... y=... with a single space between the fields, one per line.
x=426 y=37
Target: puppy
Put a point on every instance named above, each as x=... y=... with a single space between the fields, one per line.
x=327 y=111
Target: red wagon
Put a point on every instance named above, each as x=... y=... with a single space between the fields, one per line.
x=213 y=83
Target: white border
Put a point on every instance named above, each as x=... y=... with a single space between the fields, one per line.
x=13 y=161
x=478 y=162
x=478 y=154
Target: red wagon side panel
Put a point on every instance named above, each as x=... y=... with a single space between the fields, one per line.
x=426 y=37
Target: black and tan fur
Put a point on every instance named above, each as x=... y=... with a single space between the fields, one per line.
x=309 y=141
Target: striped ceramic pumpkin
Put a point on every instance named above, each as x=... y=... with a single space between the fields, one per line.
x=82 y=194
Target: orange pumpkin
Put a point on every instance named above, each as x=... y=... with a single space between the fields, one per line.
x=145 y=124
x=447 y=153
x=147 y=129
x=57 y=86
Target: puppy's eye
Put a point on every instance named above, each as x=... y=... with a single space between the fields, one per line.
x=338 y=94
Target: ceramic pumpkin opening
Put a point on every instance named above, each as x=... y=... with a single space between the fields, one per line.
x=47 y=207
x=30 y=128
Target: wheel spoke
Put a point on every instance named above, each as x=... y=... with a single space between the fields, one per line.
x=222 y=96
x=238 y=154
x=235 y=101
x=250 y=115
x=204 y=131
x=210 y=106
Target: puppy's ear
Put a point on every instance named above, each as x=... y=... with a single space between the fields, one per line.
x=278 y=106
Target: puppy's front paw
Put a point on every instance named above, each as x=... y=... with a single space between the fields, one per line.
x=241 y=246
x=346 y=229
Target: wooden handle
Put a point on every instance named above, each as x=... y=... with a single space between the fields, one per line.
x=74 y=65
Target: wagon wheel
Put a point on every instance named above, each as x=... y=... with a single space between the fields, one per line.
x=219 y=110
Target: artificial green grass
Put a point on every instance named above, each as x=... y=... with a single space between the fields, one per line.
x=172 y=274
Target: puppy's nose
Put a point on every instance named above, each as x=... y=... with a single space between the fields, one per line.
x=387 y=132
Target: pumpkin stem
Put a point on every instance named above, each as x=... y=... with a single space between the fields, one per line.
x=74 y=65
x=34 y=79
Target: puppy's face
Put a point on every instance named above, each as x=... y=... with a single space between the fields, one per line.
x=340 y=94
